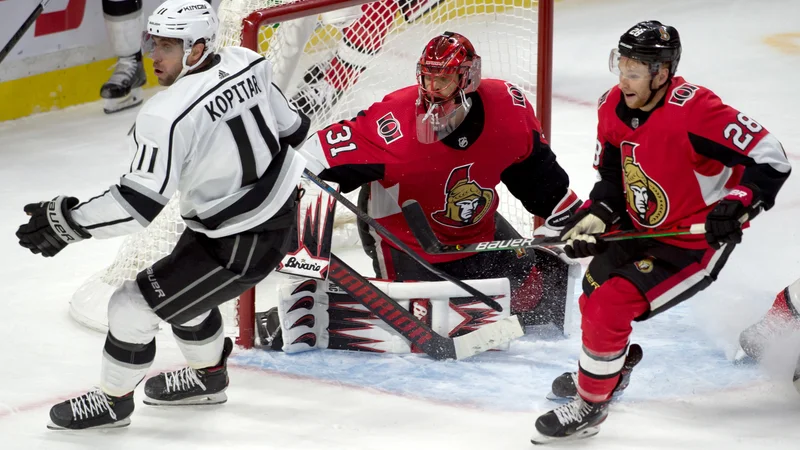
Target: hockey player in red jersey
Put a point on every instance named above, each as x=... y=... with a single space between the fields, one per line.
x=669 y=154
x=447 y=143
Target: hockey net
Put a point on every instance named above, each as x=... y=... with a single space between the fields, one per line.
x=364 y=50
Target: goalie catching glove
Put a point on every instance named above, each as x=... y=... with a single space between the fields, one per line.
x=592 y=218
x=50 y=227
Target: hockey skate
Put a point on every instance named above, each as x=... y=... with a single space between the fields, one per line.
x=577 y=419
x=565 y=387
x=94 y=409
x=315 y=93
x=796 y=377
x=268 y=326
x=189 y=386
x=781 y=319
x=124 y=89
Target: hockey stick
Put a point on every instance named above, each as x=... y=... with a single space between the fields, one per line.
x=23 y=29
x=399 y=244
x=404 y=322
x=422 y=230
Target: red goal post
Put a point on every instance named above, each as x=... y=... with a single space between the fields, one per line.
x=514 y=38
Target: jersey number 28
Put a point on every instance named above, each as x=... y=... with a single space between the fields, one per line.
x=739 y=137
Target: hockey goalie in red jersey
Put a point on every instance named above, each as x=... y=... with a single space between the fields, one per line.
x=669 y=154
x=447 y=142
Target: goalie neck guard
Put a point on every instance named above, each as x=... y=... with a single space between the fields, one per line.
x=448 y=69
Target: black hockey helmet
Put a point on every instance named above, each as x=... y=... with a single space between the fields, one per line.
x=654 y=43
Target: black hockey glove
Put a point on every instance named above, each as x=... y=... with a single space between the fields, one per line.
x=724 y=222
x=592 y=218
x=50 y=227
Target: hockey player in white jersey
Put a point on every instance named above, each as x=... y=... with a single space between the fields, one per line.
x=222 y=135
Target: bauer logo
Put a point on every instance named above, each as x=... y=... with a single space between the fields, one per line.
x=738 y=193
x=151 y=278
x=389 y=128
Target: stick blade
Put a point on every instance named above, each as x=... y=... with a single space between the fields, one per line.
x=489 y=336
x=415 y=216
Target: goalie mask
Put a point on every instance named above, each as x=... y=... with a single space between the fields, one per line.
x=187 y=20
x=447 y=70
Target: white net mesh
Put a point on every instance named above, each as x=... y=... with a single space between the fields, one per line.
x=331 y=66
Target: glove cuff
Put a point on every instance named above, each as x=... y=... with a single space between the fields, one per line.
x=565 y=209
x=742 y=194
x=61 y=221
x=603 y=212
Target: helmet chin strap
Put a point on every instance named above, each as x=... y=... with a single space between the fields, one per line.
x=186 y=68
x=654 y=91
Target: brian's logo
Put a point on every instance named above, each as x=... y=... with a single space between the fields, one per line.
x=466 y=202
x=646 y=199
x=389 y=128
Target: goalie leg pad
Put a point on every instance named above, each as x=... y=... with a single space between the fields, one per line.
x=318 y=314
x=303 y=311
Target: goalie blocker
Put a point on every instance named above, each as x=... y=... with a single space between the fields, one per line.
x=318 y=314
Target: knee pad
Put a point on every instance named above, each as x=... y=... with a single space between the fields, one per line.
x=130 y=318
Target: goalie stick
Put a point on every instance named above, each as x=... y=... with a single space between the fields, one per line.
x=422 y=230
x=404 y=322
x=399 y=244
x=23 y=29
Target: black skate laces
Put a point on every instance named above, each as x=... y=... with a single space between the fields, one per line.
x=91 y=404
x=182 y=380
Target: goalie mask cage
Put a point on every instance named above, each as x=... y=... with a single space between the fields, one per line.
x=376 y=46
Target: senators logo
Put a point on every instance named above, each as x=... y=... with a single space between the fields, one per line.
x=644 y=265
x=389 y=128
x=517 y=97
x=646 y=199
x=682 y=94
x=466 y=202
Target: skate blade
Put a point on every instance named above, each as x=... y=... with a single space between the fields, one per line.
x=200 y=400
x=118 y=424
x=540 y=439
x=135 y=98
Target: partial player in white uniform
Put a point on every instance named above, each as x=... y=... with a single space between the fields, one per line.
x=124 y=25
x=221 y=135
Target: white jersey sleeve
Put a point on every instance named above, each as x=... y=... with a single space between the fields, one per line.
x=223 y=137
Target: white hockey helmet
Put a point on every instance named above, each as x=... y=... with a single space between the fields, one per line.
x=188 y=20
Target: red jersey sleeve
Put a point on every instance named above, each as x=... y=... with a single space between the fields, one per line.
x=722 y=133
x=354 y=152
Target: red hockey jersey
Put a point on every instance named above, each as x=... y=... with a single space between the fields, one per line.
x=670 y=166
x=454 y=180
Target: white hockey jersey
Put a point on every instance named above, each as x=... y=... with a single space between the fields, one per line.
x=223 y=137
